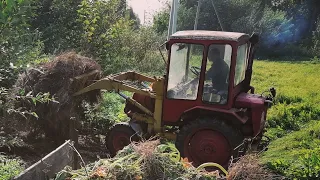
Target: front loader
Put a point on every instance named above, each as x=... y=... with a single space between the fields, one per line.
x=204 y=102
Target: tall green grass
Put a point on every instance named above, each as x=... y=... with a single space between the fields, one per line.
x=296 y=155
x=298 y=99
x=293 y=122
x=294 y=80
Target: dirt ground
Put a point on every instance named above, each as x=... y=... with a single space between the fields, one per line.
x=32 y=150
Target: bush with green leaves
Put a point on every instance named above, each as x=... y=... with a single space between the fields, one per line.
x=100 y=117
x=18 y=43
x=9 y=168
x=138 y=51
x=292 y=116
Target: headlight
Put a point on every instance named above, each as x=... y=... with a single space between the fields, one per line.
x=262 y=120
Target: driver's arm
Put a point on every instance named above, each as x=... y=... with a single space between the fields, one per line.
x=209 y=73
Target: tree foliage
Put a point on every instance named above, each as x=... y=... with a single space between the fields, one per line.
x=285 y=26
x=15 y=38
x=56 y=21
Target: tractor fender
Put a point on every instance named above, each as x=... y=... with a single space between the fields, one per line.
x=227 y=114
x=258 y=107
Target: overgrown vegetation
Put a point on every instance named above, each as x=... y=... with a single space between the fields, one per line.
x=100 y=117
x=294 y=149
x=9 y=167
x=287 y=27
x=145 y=160
x=297 y=154
x=298 y=99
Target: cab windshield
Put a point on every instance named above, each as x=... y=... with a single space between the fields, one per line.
x=184 y=71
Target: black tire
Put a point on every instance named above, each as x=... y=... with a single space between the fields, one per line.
x=119 y=136
x=218 y=130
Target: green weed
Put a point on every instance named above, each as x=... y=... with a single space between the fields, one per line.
x=102 y=116
x=294 y=149
x=297 y=101
x=145 y=160
x=9 y=168
x=296 y=155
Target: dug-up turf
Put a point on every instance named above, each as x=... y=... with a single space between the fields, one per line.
x=55 y=77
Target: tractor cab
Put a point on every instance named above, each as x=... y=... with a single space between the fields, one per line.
x=205 y=56
x=206 y=68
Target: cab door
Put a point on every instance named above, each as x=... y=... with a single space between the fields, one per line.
x=183 y=80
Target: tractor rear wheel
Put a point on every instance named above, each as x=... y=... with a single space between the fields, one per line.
x=208 y=140
x=119 y=136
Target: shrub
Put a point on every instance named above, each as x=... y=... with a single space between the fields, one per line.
x=9 y=167
x=137 y=50
x=100 y=117
x=292 y=116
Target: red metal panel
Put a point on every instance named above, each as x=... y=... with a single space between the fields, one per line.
x=257 y=106
x=245 y=100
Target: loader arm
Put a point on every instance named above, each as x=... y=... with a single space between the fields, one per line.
x=119 y=82
x=116 y=83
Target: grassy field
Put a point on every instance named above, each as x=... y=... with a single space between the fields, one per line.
x=292 y=79
x=293 y=124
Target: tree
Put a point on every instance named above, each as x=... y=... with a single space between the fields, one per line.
x=57 y=22
x=18 y=44
x=161 y=21
x=134 y=17
x=310 y=9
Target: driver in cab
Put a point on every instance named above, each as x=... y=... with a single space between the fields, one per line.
x=218 y=72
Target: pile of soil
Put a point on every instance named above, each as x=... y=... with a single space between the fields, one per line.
x=55 y=77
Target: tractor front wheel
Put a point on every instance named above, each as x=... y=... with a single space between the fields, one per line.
x=208 y=140
x=119 y=136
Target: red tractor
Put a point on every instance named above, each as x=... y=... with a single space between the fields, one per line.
x=204 y=102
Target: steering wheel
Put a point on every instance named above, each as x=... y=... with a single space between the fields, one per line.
x=195 y=70
x=181 y=89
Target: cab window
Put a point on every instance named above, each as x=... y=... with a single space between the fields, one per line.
x=242 y=62
x=217 y=74
x=184 y=71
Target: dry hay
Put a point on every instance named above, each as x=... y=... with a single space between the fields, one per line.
x=249 y=168
x=137 y=161
x=145 y=149
x=55 y=77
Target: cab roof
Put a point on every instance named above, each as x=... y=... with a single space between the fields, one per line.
x=210 y=35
